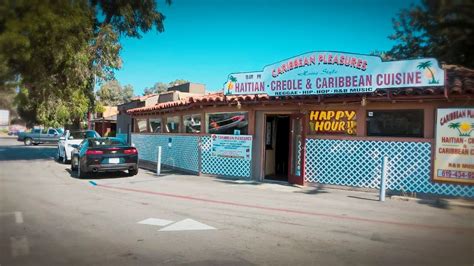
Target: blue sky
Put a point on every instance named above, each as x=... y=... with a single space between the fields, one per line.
x=206 y=40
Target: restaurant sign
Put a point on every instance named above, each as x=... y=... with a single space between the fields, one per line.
x=332 y=122
x=231 y=146
x=319 y=73
x=454 y=155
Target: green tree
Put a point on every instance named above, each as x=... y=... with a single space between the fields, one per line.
x=160 y=87
x=436 y=28
x=59 y=50
x=111 y=93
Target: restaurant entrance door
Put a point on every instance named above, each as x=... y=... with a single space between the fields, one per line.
x=296 y=155
x=277 y=147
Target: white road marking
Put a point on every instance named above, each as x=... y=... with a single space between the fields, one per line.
x=187 y=225
x=20 y=246
x=18 y=217
x=155 y=221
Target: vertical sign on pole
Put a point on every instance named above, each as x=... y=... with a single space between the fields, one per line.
x=383 y=178
x=158 y=161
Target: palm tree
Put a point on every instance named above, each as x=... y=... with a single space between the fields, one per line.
x=230 y=84
x=455 y=126
x=427 y=65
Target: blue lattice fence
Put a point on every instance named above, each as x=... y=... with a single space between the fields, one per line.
x=183 y=153
x=231 y=167
x=358 y=163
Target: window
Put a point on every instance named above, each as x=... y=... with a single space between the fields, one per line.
x=192 y=123
x=77 y=135
x=106 y=142
x=155 y=125
x=83 y=134
x=395 y=123
x=172 y=124
x=141 y=125
x=228 y=123
x=52 y=132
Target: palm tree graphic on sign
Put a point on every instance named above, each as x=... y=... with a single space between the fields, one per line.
x=427 y=65
x=230 y=83
x=464 y=128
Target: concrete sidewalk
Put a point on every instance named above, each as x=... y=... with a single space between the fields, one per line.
x=370 y=194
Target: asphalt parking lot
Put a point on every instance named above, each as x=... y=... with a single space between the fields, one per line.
x=50 y=217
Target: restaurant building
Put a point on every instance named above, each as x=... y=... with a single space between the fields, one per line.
x=325 y=118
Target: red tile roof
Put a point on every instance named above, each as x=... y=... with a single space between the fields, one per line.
x=460 y=83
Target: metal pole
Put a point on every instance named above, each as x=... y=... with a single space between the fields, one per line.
x=158 y=163
x=383 y=178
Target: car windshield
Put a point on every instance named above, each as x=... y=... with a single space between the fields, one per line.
x=106 y=142
x=83 y=134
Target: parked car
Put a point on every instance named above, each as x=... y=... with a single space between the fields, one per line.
x=37 y=136
x=103 y=155
x=70 y=138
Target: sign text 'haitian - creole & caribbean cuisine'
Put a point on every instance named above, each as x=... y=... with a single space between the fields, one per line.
x=231 y=146
x=454 y=155
x=318 y=73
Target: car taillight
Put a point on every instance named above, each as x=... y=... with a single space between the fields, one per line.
x=130 y=151
x=94 y=152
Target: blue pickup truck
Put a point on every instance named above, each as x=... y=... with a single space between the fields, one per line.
x=37 y=136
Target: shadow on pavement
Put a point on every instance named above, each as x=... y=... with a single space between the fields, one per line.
x=440 y=204
x=107 y=175
x=14 y=153
x=313 y=190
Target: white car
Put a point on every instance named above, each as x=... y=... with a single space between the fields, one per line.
x=70 y=138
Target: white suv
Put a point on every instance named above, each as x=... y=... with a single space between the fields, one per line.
x=70 y=138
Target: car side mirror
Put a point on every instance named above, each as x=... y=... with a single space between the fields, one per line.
x=62 y=138
x=75 y=146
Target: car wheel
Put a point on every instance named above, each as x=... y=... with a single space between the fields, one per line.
x=133 y=172
x=28 y=141
x=81 y=174
x=64 y=158
x=58 y=156
x=74 y=161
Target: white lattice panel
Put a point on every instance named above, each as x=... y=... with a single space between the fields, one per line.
x=358 y=163
x=183 y=152
x=231 y=167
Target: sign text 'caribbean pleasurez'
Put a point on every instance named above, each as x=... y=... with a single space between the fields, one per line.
x=318 y=73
